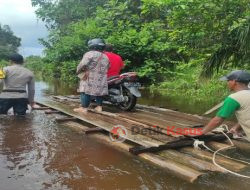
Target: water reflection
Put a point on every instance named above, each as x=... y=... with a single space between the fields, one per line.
x=149 y=97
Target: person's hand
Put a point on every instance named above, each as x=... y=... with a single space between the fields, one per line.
x=233 y=130
x=236 y=131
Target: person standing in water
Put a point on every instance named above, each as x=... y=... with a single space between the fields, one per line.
x=18 y=87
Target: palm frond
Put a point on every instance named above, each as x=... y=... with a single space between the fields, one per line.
x=235 y=49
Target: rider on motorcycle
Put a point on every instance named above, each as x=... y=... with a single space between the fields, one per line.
x=115 y=60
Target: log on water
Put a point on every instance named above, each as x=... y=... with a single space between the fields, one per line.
x=241 y=145
x=52 y=112
x=180 y=170
x=208 y=156
x=137 y=123
x=93 y=130
x=171 y=155
x=41 y=108
x=63 y=119
x=177 y=114
x=102 y=122
x=140 y=140
x=177 y=144
x=191 y=161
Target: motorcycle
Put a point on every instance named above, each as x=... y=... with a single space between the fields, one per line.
x=123 y=90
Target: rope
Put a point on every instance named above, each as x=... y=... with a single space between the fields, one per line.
x=221 y=129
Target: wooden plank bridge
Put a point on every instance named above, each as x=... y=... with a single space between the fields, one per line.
x=151 y=133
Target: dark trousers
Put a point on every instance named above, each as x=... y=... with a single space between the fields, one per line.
x=19 y=105
x=86 y=99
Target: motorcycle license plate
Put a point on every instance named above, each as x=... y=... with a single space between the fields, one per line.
x=132 y=84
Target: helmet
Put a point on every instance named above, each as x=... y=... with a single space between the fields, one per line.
x=96 y=44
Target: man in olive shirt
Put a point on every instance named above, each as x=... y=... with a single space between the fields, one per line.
x=238 y=103
x=16 y=82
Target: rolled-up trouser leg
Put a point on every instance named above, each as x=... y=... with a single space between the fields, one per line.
x=85 y=100
x=20 y=106
x=99 y=100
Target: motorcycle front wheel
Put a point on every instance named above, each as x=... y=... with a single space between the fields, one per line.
x=130 y=103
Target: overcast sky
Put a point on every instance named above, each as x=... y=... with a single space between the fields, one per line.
x=20 y=16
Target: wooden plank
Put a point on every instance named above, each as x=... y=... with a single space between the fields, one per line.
x=52 y=112
x=41 y=108
x=190 y=161
x=167 y=112
x=177 y=114
x=159 y=119
x=174 y=156
x=205 y=155
x=163 y=120
x=106 y=123
x=63 y=119
x=82 y=128
x=177 y=144
x=103 y=122
x=93 y=130
x=180 y=170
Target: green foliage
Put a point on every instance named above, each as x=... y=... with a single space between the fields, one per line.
x=235 y=49
x=58 y=14
x=66 y=70
x=34 y=63
x=3 y=63
x=186 y=83
x=160 y=39
x=8 y=42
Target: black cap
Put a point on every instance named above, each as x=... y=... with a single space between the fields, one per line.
x=238 y=75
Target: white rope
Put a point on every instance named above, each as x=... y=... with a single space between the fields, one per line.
x=221 y=129
x=197 y=143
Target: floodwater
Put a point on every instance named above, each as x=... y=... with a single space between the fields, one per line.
x=37 y=153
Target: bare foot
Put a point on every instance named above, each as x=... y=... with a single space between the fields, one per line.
x=98 y=109
x=81 y=110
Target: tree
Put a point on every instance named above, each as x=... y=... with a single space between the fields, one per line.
x=153 y=36
x=9 y=43
x=234 y=50
x=60 y=13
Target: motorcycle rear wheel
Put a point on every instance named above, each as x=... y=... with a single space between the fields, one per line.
x=130 y=104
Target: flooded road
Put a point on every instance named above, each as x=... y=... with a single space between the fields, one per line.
x=38 y=153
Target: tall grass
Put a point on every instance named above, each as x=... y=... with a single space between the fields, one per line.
x=187 y=84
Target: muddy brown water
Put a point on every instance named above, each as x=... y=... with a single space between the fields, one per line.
x=38 y=153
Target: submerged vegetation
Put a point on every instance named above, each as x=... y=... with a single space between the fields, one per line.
x=170 y=43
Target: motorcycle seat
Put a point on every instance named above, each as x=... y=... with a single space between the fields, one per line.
x=113 y=77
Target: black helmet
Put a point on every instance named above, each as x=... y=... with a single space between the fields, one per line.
x=16 y=58
x=96 y=44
